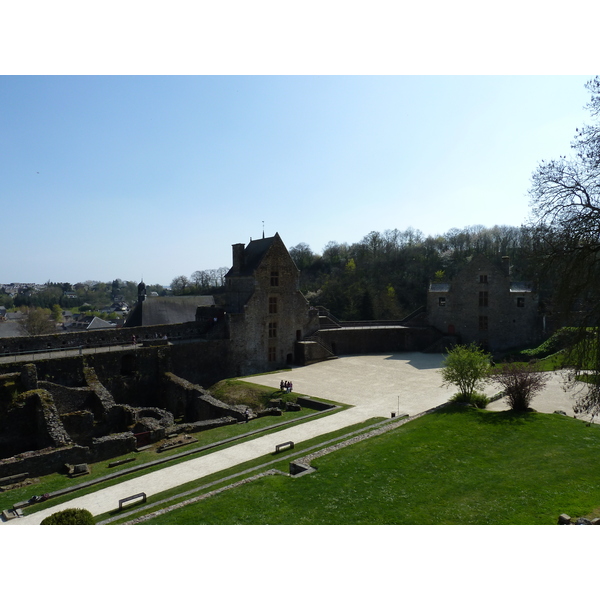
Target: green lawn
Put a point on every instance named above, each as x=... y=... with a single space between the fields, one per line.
x=456 y=466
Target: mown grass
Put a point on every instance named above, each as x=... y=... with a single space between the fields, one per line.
x=236 y=473
x=456 y=466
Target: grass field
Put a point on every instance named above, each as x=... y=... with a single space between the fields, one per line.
x=456 y=466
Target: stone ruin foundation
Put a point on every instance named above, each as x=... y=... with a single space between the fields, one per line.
x=45 y=425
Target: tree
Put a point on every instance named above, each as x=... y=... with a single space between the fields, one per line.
x=37 y=321
x=302 y=255
x=520 y=383
x=57 y=313
x=180 y=285
x=466 y=367
x=565 y=194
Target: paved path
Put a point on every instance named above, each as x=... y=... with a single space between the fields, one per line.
x=375 y=385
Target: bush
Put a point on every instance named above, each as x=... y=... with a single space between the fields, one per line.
x=474 y=399
x=70 y=516
x=520 y=383
x=558 y=341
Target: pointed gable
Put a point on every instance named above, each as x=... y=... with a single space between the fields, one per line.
x=249 y=258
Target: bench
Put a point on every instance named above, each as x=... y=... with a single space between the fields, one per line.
x=141 y=495
x=284 y=446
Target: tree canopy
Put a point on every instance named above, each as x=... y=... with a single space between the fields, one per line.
x=565 y=201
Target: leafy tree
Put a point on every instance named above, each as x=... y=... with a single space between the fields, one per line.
x=37 y=321
x=302 y=255
x=57 y=313
x=180 y=285
x=70 y=516
x=520 y=383
x=466 y=367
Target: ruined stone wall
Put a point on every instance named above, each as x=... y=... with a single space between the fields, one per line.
x=68 y=399
x=194 y=402
x=43 y=462
x=110 y=446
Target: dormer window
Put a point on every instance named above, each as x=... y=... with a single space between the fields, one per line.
x=483 y=279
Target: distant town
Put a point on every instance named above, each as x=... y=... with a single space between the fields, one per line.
x=34 y=308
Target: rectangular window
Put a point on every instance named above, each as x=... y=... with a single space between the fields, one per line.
x=521 y=302
x=483 y=298
x=272 y=330
x=272 y=354
x=274 y=278
x=483 y=323
x=273 y=305
x=483 y=279
x=441 y=301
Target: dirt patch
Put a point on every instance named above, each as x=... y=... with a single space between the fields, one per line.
x=20 y=484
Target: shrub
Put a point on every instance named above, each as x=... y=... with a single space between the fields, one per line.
x=466 y=367
x=520 y=383
x=474 y=399
x=70 y=516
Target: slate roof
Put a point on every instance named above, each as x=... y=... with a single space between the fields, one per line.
x=439 y=287
x=254 y=252
x=520 y=287
x=167 y=310
x=97 y=323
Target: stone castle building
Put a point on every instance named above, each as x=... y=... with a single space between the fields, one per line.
x=483 y=305
x=262 y=312
x=266 y=313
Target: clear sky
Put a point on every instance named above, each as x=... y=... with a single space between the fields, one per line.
x=107 y=177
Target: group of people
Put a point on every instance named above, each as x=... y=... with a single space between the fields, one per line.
x=285 y=386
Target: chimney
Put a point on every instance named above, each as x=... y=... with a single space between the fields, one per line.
x=506 y=264
x=238 y=258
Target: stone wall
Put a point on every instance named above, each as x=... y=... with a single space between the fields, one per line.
x=43 y=462
x=68 y=399
x=367 y=340
x=98 y=338
x=110 y=446
x=53 y=460
x=194 y=402
x=508 y=317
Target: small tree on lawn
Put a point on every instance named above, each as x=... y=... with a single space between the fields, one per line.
x=467 y=368
x=520 y=382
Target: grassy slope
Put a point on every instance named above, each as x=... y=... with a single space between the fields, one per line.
x=457 y=466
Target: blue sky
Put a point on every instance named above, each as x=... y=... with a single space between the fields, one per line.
x=154 y=177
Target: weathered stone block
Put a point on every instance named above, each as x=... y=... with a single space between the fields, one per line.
x=564 y=519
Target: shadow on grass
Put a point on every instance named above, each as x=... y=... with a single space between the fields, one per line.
x=506 y=417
